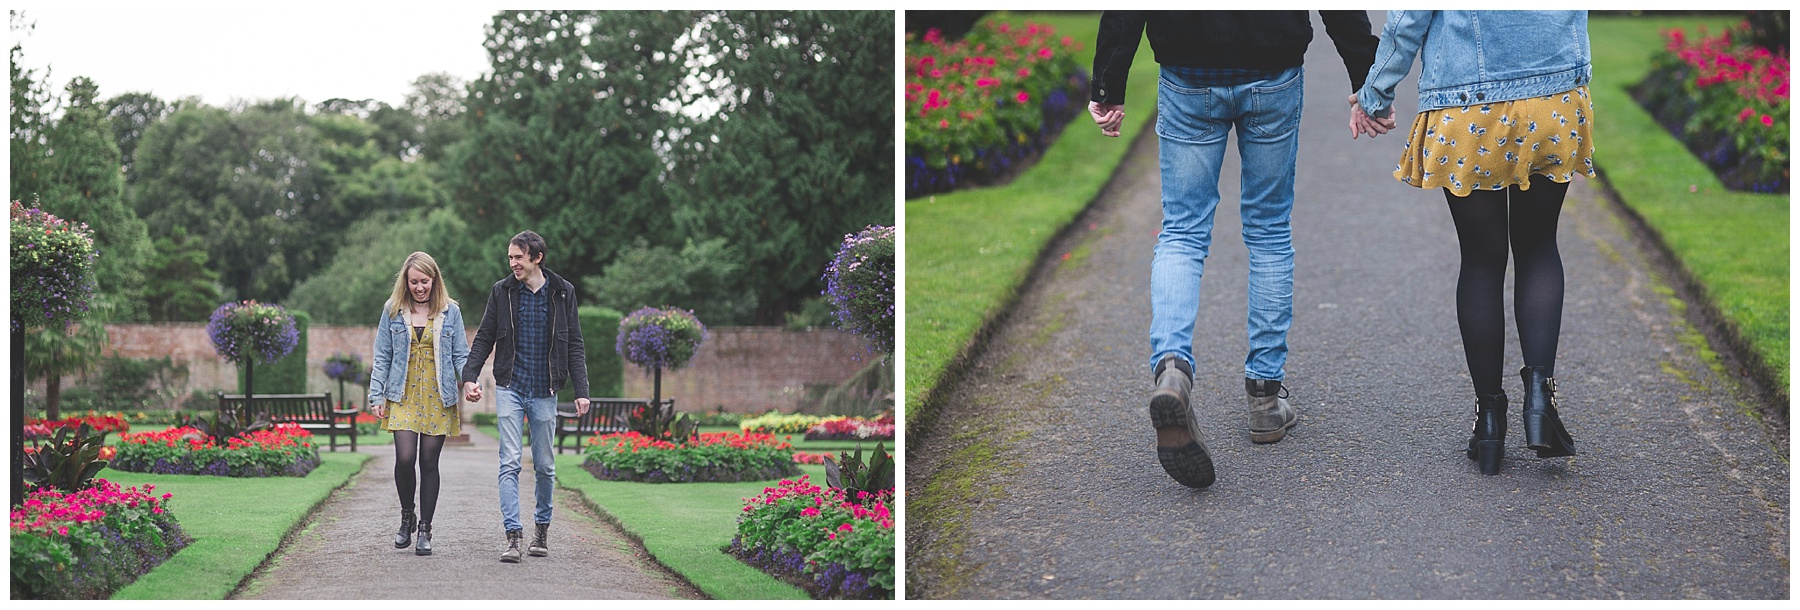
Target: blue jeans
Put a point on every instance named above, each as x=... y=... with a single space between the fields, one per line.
x=512 y=410
x=1192 y=124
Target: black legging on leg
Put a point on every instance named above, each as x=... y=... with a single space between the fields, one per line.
x=424 y=448
x=1487 y=227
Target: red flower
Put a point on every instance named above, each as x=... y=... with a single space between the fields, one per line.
x=945 y=124
x=1024 y=72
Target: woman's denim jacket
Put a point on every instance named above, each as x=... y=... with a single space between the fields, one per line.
x=393 y=345
x=1471 y=57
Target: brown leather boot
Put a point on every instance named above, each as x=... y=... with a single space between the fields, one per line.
x=540 y=544
x=511 y=555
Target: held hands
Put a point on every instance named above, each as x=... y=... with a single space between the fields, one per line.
x=1108 y=116
x=471 y=391
x=379 y=410
x=581 y=406
x=1361 y=122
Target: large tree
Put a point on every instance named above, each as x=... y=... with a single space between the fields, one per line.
x=181 y=287
x=259 y=183
x=84 y=182
x=32 y=105
x=759 y=137
x=132 y=114
x=353 y=287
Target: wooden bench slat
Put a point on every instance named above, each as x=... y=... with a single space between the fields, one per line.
x=605 y=415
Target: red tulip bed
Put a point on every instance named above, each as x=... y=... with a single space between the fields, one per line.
x=89 y=543
x=819 y=540
x=977 y=108
x=285 y=450
x=853 y=429
x=1727 y=99
x=713 y=457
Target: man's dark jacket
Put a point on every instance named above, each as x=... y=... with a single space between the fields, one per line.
x=568 y=355
x=1263 y=40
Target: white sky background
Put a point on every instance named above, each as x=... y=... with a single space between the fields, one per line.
x=316 y=51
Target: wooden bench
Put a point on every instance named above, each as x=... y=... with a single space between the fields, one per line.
x=605 y=415
x=314 y=412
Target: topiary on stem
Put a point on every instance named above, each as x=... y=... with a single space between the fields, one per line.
x=248 y=332
x=860 y=283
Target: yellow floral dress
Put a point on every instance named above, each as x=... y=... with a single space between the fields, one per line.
x=421 y=407
x=1492 y=146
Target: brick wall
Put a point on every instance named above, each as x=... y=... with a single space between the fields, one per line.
x=739 y=369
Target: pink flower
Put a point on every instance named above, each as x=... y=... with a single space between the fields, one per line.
x=1746 y=114
x=1023 y=97
x=944 y=124
x=986 y=82
x=811 y=511
x=846 y=528
x=1045 y=53
x=1024 y=72
x=1768 y=121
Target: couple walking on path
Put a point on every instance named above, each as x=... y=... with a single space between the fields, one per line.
x=1504 y=124
x=421 y=350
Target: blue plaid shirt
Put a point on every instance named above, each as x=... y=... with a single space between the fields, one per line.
x=1220 y=77
x=531 y=369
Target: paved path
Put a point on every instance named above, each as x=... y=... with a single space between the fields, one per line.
x=1677 y=492
x=347 y=552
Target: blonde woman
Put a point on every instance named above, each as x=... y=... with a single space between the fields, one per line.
x=420 y=348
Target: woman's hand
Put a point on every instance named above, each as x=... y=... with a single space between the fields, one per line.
x=378 y=410
x=1361 y=122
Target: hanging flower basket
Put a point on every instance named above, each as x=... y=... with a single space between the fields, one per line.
x=860 y=283
x=660 y=339
x=246 y=330
x=52 y=269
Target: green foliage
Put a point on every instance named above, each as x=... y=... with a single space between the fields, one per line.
x=815 y=312
x=128 y=384
x=717 y=418
x=32 y=103
x=850 y=474
x=606 y=370
x=351 y=290
x=131 y=115
x=68 y=462
x=226 y=423
x=182 y=286
x=52 y=269
x=83 y=181
x=661 y=423
x=259 y=181
x=287 y=375
x=776 y=422
x=706 y=278
x=52 y=353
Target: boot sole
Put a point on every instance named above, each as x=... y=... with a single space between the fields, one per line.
x=1274 y=436
x=509 y=560
x=421 y=552
x=1182 y=455
x=1544 y=433
x=538 y=553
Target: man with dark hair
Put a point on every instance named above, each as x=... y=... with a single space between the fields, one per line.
x=1221 y=70
x=531 y=328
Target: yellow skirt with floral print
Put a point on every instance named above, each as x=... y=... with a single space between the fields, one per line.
x=1493 y=146
x=420 y=408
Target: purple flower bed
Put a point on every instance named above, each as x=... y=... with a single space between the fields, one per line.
x=832 y=581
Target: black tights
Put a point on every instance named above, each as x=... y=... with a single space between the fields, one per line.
x=407 y=447
x=1485 y=226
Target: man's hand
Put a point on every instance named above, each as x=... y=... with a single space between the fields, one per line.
x=471 y=391
x=1361 y=122
x=581 y=406
x=1108 y=116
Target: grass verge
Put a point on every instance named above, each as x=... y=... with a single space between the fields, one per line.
x=1733 y=245
x=969 y=252
x=232 y=534
x=684 y=526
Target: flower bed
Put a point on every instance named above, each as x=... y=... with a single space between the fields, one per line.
x=802 y=457
x=832 y=546
x=90 y=543
x=714 y=457
x=852 y=429
x=1727 y=100
x=285 y=450
x=103 y=423
x=977 y=107
x=776 y=422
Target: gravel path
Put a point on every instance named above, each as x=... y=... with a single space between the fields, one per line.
x=347 y=550
x=1041 y=480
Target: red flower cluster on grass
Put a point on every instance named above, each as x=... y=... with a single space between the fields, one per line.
x=282 y=435
x=967 y=72
x=874 y=512
x=51 y=512
x=634 y=442
x=105 y=423
x=848 y=428
x=802 y=457
x=1755 y=72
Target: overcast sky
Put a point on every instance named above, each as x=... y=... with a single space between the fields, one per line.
x=221 y=53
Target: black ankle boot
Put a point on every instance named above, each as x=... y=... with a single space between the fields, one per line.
x=408 y=522
x=1544 y=430
x=424 y=547
x=1488 y=442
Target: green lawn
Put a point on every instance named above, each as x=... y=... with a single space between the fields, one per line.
x=232 y=534
x=684 y=526
x=1735 y=244
x=968 y=252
